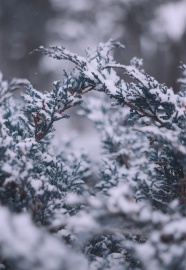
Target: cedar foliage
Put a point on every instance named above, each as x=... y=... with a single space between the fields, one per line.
x=133 y=215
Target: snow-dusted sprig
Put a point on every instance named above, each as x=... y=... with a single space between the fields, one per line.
x=32 y=178
x=60 y=53
x=102 y=52
x=90 y=68
x=44 y=109
x=167 y=153
x=147 y=98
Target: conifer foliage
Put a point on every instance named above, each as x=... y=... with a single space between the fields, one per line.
x=132 y=215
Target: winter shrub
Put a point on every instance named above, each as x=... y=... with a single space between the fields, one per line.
x=133 y=215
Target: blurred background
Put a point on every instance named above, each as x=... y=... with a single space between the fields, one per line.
x=152 y=30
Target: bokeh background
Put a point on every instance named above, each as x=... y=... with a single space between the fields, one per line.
x=154 y=30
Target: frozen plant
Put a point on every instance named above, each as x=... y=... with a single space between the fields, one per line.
x=132 y=215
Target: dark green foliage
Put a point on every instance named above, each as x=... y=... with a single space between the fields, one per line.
x=133 y=215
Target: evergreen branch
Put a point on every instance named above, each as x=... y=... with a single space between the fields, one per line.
x=153 y=117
